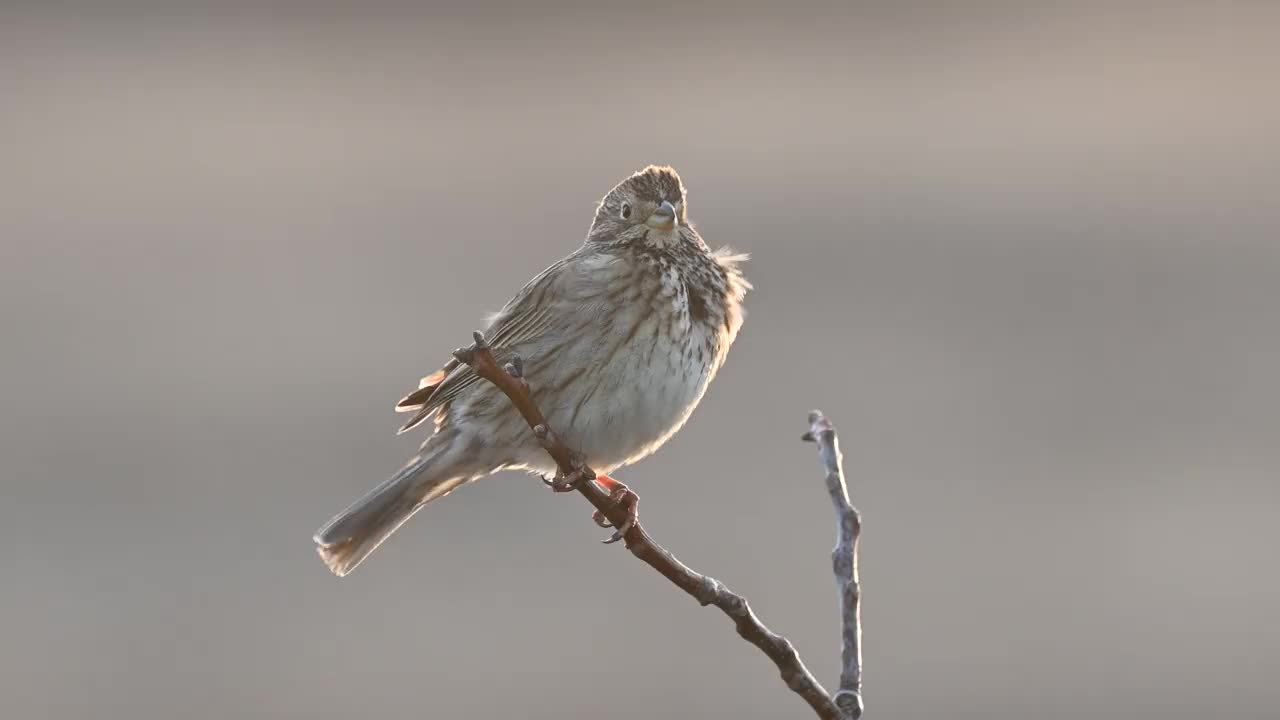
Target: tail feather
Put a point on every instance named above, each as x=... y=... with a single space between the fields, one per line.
x=426 y=388
x=346 y=540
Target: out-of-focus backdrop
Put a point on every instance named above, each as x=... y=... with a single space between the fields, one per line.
x=1024 y=254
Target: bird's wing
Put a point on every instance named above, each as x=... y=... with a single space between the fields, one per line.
x=523 y=318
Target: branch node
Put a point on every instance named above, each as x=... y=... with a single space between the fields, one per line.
x=735 y=606
x=708 y=590
x=515 y=367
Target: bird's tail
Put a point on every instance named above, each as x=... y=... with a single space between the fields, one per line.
x=346 y=540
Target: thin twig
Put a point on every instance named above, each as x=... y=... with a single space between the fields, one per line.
x=705 y=589
x=844 y=562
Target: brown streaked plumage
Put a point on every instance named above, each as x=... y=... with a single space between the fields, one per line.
x=619 y=341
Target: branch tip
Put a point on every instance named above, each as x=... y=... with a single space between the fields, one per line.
x=850 y=703
x=844 y=564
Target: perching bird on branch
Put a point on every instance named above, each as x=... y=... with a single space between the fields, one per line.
x=619 y=341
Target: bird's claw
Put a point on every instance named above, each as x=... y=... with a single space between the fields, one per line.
x=568 y=483
x=619 y=494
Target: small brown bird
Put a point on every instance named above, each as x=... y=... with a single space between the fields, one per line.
x=619 y=341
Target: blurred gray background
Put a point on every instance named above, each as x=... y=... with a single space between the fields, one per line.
x=1025 y=255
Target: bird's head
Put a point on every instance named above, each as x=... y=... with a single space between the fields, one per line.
x=647 y=207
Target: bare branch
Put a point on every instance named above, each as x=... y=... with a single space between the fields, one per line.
x=706 y=590
x=844 y=562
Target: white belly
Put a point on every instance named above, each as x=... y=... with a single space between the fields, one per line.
x=644 y=395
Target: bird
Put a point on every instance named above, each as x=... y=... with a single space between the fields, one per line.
x=618 y=342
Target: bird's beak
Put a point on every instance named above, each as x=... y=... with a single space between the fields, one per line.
x=664 y=218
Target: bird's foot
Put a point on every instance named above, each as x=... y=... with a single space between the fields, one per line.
x=619 y=495
x=568 y=483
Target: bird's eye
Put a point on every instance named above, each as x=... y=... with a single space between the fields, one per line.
x=626 y=211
